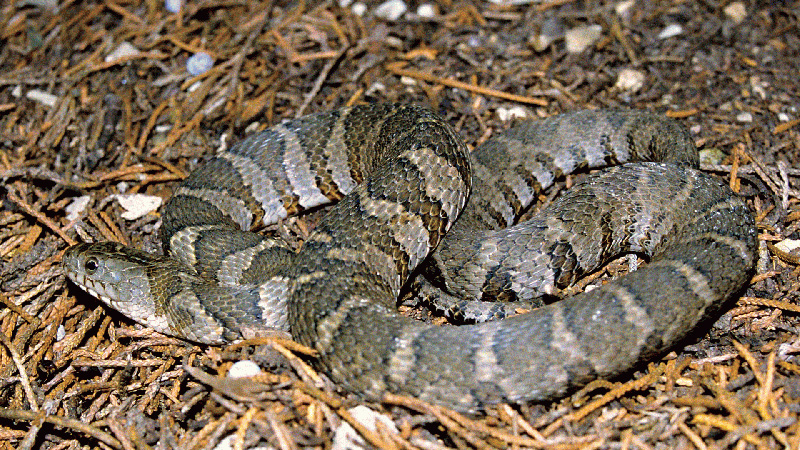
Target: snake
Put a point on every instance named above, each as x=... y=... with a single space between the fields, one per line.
x=410 y=200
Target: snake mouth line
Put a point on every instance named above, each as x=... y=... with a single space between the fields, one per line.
x=95 y=288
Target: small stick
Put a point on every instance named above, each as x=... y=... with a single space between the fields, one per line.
x=397 y=69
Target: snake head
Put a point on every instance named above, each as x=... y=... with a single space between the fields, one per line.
x=159 y=292
x=118 y=276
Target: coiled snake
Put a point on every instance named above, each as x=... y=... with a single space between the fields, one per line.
x=402 y=176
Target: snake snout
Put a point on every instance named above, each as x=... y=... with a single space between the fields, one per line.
x=103 y=270
x=90 y=273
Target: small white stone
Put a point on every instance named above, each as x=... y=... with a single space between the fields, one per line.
x=579 y=38
x=787 y=350
x=195 y=86
x=391 y=10
x=783 y=117
x=199 y=63
x=61 y=332
x=744 y=117
x=244 y=369
x=788 y=245
x=42 y=97
x=359 y=8
x=226 y=443
x=540 y=42
x=712 y=156
x=76 y=208
x=138 y=205
x=609 y=414
x=670 y=30
x=515 y=112
x=394 y=42
x=426 y=10
x=377 y=86
x=250 y=129
x=630 y=80
x=346 y=438
x=123 y=50
x=735 y=11
x=17 y=91
x=624 y=7
x=173 y=6
x=408 y=81
x=759 y=86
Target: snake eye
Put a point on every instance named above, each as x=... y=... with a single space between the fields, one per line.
x=91 y=265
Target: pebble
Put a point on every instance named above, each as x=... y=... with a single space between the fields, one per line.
x=671 y=30
x=735 y=11
x=515 y=112
x=623 y=8
x=744 y=117
x=759 y=86
x=199 y=63
x=231 y=442
x=787 y=351
x=426 y=10
x=579 y=38
x=346 y=438
x=376 y=86
x=138 y=205
x=712 y=156
x=173 y=6
x=408 y=81
x=226 y=443
x=359 y=8
x=77 y=206
x=788 y=245
x=244 y=369
x=123 y=49
x=630 y=80
x=391 y=10
x=42 y=97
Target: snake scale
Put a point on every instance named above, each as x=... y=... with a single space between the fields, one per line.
x=400 y=176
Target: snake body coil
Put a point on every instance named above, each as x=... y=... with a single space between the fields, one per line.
x=402 y=176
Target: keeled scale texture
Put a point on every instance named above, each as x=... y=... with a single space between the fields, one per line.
x=415 y=178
